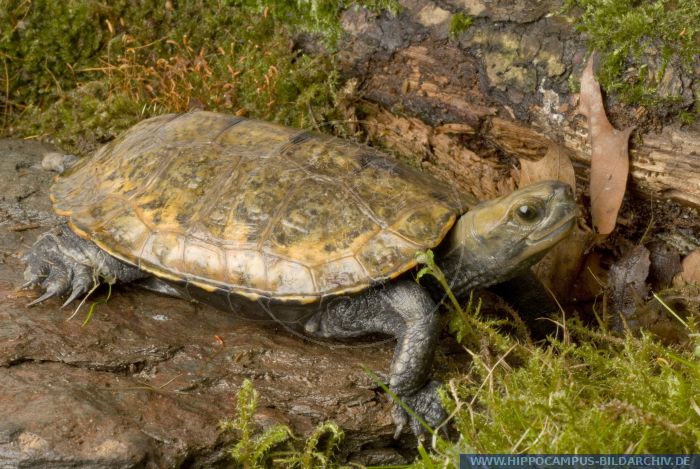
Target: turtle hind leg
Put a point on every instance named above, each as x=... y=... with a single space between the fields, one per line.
x=60 y=262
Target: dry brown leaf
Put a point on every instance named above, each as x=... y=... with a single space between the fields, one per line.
x=554 y=165
x=691 y=270
x=562 y=265
x=609 y=155
x=665 y=264
x=592 y=278
x=628 y=287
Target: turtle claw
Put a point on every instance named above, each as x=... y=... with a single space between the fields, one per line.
x=55 y=284
x=425 y=403
x=62 y=263
x=47 y=294
x=81 y=283
x=28 y=285
x=400 y=418
x=74 y=294
x=60 y=280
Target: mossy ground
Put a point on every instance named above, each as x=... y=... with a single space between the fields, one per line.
x=459 y=23
x=583 y=393
x=643 y=46
x=81 y=71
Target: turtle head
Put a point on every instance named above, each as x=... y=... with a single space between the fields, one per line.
x=500 y=238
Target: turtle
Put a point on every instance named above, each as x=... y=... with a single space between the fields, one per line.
x=317 y=233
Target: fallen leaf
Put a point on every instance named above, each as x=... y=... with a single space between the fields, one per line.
x=554 y=165
x=561 y=267
x=609 y=155
x=592 y=278
x=690 y=273
x=628 y=287
x=665 y=264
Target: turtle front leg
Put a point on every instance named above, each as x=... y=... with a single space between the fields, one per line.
x=60 y=262
x=403 y=310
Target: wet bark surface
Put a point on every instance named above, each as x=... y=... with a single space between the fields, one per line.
x=146 y=382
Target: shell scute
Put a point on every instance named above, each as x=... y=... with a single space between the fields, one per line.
x=246 y=267
x=288 y=277
x=258 y=139
x=204 y=262
x=164 y=249
x=386 y=255
x=170 y=197
x=253 y=199
x=418 y=223
x=206 y=128
x=320 y=222
x=337 y=274
x=91 y=217
x=124 y=230
x=322 y=155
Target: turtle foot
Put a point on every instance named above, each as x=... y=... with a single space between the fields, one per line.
x=53 y=265
x=425 y=403
x=60 y=263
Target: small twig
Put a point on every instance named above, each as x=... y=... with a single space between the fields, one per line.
x=29 y=226
x=96 y=284
x=313 y=118
x=170 y=381
x=7 y=95
x=670 y=310
x=490 y=373
x=567 y=339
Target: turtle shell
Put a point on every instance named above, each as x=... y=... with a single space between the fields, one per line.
x=254 y=208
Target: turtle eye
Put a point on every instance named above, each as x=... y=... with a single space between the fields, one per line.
x=528 y=212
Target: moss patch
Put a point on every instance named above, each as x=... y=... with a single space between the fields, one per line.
x=459 y=23
x=276 y=446
x=634 y=396
x=643 y=45
x=82 y=71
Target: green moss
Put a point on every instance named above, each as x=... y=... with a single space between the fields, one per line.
x=626 y=32
x=145 y=58
x=688 y=117
x=459 y=23
x=47 y=43
x=633 y=396
x=276 y=445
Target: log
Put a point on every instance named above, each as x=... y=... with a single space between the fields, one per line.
x=469 y=108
